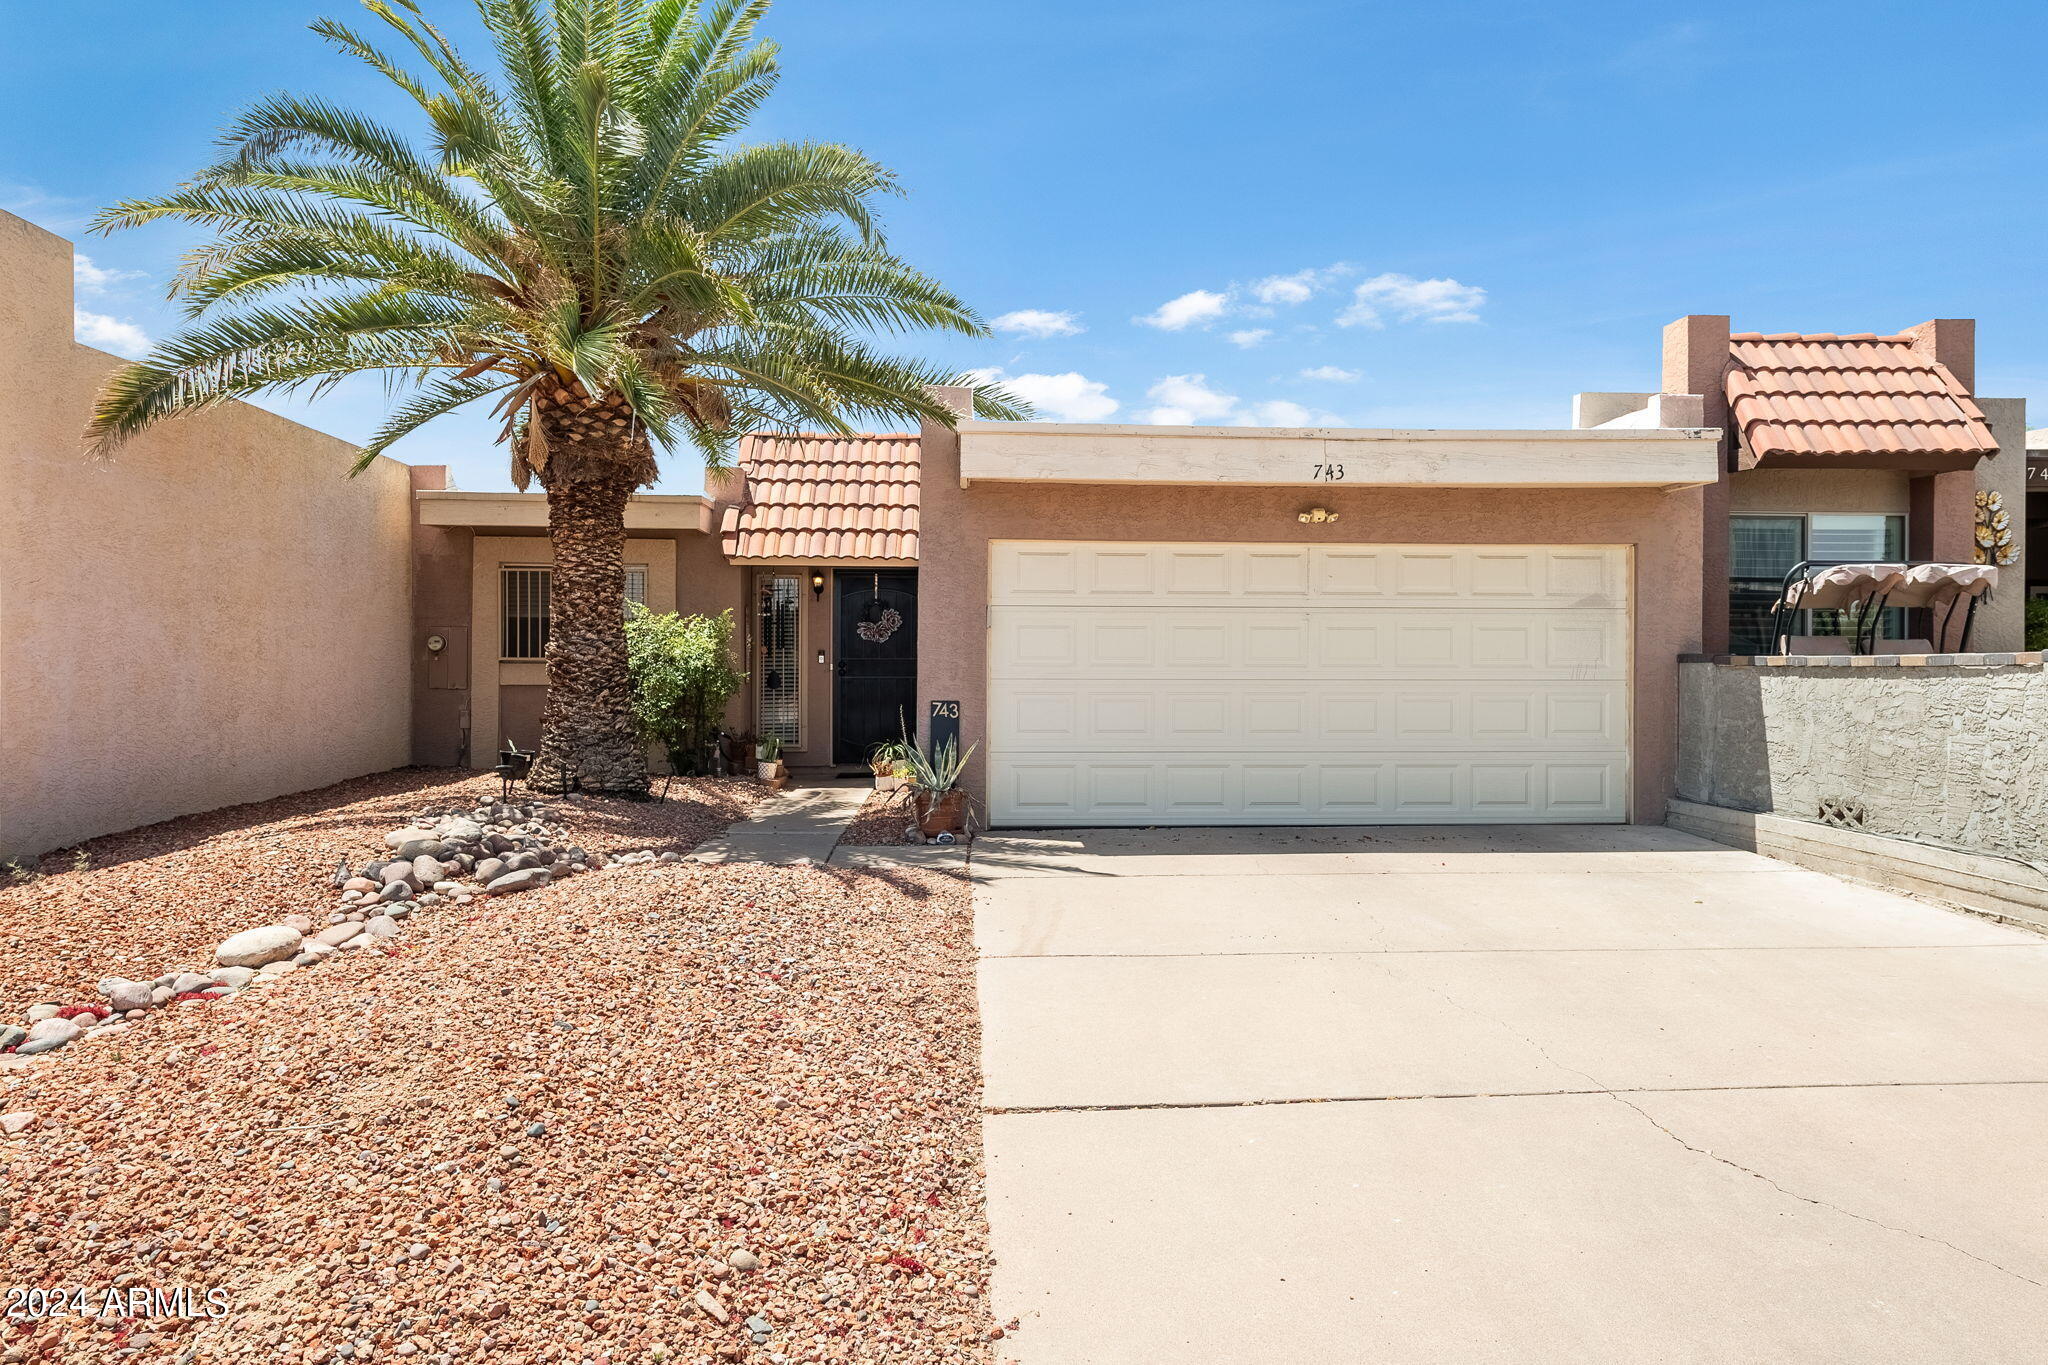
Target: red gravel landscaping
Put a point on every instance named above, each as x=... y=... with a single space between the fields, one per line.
x=882 y=821
x=609 y=1120
x=163 y=895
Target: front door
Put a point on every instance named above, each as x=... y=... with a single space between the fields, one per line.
x=876 y=699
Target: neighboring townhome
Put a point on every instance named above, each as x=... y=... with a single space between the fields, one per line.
x=1135 y=625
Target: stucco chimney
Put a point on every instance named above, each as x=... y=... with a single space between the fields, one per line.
x=1953 y=342
x=1696 y=362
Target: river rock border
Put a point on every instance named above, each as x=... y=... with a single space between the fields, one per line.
x=441 y=858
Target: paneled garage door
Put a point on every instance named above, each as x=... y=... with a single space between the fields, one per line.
x=1207 y=684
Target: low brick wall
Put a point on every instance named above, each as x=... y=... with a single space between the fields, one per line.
x=1949 y=748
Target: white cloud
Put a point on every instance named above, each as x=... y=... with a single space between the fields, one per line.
x=1250 y=337
x=1187 y=400
x=1038 y=322
x=1408 y=299
x=1197 y=306
x=1281 y=413
x=93 y=279
x=1299 y=287
x=1334 y=374
x=1068 y=397
x=109 y=334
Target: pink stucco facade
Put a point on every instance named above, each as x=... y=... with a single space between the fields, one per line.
x=282 y=564
x=1662 y=530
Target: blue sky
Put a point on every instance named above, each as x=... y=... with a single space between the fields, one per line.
x=1332 y=213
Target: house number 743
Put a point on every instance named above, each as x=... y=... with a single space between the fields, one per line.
x=1326 y=473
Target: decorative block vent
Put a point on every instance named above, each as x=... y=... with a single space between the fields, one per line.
x=1843 y=812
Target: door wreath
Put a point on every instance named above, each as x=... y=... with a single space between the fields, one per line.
x=880 y=629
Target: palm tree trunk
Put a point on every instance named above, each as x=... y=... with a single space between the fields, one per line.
x=589 y=741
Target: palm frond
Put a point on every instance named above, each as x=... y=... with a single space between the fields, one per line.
x=577 y=216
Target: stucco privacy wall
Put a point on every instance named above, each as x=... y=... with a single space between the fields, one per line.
x=1947 y=754
x=1662 y=528
x=217 y=615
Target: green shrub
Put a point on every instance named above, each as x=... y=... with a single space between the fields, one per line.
x=683 y=677
x=2037 y=623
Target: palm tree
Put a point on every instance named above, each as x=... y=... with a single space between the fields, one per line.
x=577 y=240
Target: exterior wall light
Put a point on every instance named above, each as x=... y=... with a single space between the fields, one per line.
x=817 y=584
x=1317 y=514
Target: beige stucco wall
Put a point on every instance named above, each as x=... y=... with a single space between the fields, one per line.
x=217 y=615
x=1663 y=529
x=1801 y=491
x=488 y=672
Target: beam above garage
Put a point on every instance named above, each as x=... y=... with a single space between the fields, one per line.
x=1600 y=457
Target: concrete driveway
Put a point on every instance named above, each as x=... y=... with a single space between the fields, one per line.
x=1556 y=1094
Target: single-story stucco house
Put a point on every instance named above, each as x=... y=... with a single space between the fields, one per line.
x=1135 y=624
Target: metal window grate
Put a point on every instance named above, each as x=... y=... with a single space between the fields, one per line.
x=525 y=594
x=780 y=670
x=636 y=583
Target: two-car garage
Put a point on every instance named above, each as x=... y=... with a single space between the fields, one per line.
x=1235 y=684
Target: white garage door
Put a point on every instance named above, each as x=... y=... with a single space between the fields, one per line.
x=1207 y=684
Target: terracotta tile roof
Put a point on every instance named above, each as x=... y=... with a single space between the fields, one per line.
x=1822 y=398
x=825 y=497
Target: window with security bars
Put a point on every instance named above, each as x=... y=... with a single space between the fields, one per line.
x=779 y=672
x=526 y=593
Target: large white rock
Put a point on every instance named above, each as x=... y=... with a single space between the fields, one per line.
x=124 y=995
x=259 y=947
x=398 y=838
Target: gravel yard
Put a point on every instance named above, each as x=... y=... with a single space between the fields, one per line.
x=133 y=902
x=881 y=821
x=666 y=1112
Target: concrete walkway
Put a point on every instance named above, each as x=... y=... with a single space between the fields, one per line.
x=799 y=825
x=1543 y=1094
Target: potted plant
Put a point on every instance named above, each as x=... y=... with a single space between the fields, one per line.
x=889 y=763
x=768 y=758
x=938 y=800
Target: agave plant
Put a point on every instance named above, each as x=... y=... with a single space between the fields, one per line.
x=937 y=770
x=577 y=242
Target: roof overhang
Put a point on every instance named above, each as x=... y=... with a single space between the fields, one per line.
x=658 y=514
x=790 y=562
x=1897 y=461
x=1047 y=452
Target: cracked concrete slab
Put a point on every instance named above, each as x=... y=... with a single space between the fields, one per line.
x=1152 y=1030
x=1536 y=1229
x=1709 y=1108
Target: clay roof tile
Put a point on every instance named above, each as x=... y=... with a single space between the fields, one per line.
x=1852 y=395
x=818 y=496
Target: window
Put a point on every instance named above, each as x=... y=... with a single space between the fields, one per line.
x=1763 y=549
x=526 y=594
x=780 y=670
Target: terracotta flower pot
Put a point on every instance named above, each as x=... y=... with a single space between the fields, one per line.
x=942 y=813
